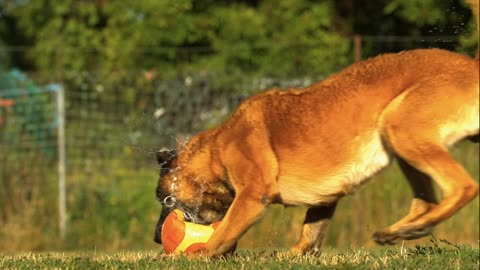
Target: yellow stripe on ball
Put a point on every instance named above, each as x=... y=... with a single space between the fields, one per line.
x=194 y=233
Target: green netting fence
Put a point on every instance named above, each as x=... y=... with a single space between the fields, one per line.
x=29 y=124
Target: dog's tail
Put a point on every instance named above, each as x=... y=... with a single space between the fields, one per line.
x=474 y=5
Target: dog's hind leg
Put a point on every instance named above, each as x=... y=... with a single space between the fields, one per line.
x=457 y=186
x=418 y=131
x=313 y=230
x=423 y=201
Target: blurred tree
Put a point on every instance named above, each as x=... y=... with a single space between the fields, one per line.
x=269 y=37
x=67 y=34
x=263 y=38
x=277 y=38
x=12 y=39
x=403 y=24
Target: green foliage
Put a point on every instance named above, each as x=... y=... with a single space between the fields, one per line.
x=261 y=38
x=66 y=33
x=469 y=43
x=440 y=18
x=277 y=38
x=74 y=35
x=422 y=12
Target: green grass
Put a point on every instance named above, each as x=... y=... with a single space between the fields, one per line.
x=420 y=257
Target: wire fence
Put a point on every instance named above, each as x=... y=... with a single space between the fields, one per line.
x=108 y=127
x=28 y=147
x=104 y=120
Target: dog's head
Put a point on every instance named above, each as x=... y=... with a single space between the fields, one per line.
x=187 y=182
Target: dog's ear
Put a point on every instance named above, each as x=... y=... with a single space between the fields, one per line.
x=164 y=159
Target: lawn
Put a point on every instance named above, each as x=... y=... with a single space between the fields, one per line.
x=434 y=256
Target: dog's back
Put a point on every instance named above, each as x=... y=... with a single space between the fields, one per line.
x=336 y=134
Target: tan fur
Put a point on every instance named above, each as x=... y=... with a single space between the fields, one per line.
x=313 y=146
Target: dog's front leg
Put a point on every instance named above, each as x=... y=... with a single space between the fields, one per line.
x=245 y=210
x=252 y=169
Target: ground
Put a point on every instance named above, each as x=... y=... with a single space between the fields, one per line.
x=434 y=256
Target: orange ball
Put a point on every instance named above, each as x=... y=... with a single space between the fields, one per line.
x=180 y=236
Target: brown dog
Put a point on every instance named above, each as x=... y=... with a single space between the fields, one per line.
x=313 y=146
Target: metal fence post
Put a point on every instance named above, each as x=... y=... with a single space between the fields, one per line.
x=357 y=48
x=62 y=193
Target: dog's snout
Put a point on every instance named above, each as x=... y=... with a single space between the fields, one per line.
x=158 y=229
x=157 y=239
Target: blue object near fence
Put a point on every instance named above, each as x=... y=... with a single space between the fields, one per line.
x=31 y=120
